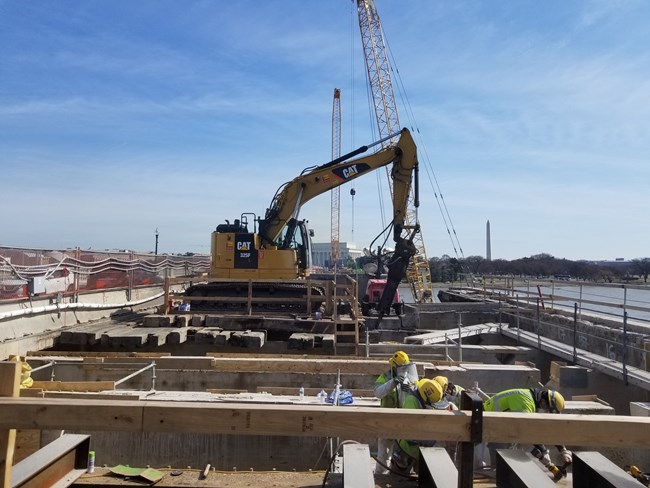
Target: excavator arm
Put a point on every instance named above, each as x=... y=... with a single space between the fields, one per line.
x=285 y=207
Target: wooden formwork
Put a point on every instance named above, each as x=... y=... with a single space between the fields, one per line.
x=340 y=303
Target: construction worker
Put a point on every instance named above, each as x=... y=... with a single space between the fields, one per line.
x=26 y=380
x=391 y=387
x=426 y=394
x=451 y=392
x=531 y=400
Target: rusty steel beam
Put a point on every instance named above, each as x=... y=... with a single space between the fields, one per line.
x=61 y=461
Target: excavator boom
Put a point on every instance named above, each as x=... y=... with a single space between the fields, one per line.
x=293 y=195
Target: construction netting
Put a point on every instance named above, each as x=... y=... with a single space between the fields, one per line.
x=25 y=272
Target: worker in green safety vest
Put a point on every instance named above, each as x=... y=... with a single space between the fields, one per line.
x=406 y=453
x=532 y=400
x=391 y=387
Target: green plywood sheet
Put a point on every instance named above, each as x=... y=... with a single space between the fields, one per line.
x=149 y=474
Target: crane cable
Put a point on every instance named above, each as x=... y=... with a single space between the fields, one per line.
x=433 y=181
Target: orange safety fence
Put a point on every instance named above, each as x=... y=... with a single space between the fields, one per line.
x=25 y=272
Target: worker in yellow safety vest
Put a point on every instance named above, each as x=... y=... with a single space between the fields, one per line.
x=531 y=400
x=391 y=387
x=426 y=394
x=451 y=392
x=26 y=380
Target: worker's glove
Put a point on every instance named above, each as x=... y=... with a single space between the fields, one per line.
x=543 y=456
x=567 y=456
x=402 y=383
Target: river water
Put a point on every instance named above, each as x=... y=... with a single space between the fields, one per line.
x=612 y=300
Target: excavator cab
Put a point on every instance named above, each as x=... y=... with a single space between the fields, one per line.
x=297 y=236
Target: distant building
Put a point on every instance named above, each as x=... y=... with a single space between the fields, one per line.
x=321 y=253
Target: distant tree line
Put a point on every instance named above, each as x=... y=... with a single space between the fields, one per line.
x=542 y=266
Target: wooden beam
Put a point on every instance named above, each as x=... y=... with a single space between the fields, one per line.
x=74 y=385
x=9 y=387
x=27 y=443
x=290 y=365
x=320 y=421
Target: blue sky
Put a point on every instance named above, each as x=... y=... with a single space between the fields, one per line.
x=118 y=117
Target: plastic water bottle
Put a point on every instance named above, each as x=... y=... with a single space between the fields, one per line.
x=91 y=462
x=301 y=393
x=322 y=396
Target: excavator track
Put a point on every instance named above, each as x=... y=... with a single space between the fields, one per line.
x=295 y=295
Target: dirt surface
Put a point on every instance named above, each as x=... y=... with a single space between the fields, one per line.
x=247 y=479
x=250 y=479
x=192 y=478
x=243 y=479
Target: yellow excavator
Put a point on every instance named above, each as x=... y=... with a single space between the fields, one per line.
x=277 y=251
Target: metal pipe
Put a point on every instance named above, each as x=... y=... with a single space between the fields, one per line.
x=580 y=309
x=517 y=317
x=575 y=332
x=625 y=348
x=539 y=325
x=126 y=378
x=51 y=363
x=337 y=390
x=460 y=339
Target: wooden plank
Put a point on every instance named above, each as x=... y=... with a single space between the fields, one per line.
x=9 y=387
x=227 y=391
x=73 y=414
x=74 y=385
x=28 y=441
x=321 y=421
x=290 y=365
x=31 y=392
x=165 y=362
x=92 y=395
x=96 y=354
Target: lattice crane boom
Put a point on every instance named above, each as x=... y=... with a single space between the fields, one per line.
x=336 y=192
x=381 y=86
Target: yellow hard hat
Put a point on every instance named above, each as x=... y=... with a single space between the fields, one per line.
x=429 y=390
x=400 y=358
x=555 y=401
x=443 y=381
